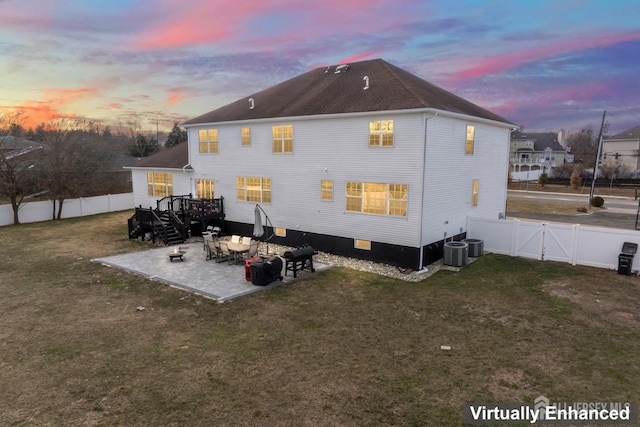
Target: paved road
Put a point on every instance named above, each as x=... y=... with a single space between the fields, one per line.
x=614 y=204
x=619 y=212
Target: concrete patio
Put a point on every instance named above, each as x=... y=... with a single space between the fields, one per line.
x=209 y=278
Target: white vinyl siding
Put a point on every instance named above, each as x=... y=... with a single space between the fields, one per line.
x=335 y=149
x=452 y=187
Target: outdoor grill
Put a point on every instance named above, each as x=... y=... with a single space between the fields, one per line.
x=299 y=259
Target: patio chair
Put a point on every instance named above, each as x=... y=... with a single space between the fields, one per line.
x=224 y=254
x=213 y=250
x=235 y=239
x=206 y=237
x=253 y=250
x=246 y=240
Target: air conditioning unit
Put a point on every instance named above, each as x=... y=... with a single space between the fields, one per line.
x=456 y=254
x=476 y=247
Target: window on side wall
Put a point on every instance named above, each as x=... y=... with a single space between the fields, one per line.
x=376 y=198
x=471 y=133
x=280 y=232
x=253 y=189
x=159 y=184
x=208 y=140
x=205 y=189
x=326 y=188
x=246 y=136
x=282 y=139
x=474 y=193
x=381 y=133
x=362 y=244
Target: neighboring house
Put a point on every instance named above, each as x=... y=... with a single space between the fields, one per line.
x=534 y=153
x=364 y=160
x=13 y=147
x=18 y=157
x=623 y=149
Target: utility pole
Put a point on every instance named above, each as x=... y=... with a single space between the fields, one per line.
x=598 y=154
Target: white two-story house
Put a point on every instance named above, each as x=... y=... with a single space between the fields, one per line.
x=365 y=160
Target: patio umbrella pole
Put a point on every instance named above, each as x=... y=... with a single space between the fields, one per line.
x=258 y=228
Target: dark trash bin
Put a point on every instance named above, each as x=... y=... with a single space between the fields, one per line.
x=266 y=271
x=625 y=259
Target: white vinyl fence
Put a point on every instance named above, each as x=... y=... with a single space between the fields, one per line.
x=42 y=211
x=571 y=243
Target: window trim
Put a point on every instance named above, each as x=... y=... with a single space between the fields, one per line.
x=362 y=244
x=263 y=190
x=358 y=187
x=245 y=139
x=281 y=141
x=379 y=135
x=212 y=182
x=470 y=143
x=326 y=191
x=213 y=144
x=153 y=185
x=474 y=192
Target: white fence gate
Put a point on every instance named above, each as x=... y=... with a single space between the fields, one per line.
x=572 y=243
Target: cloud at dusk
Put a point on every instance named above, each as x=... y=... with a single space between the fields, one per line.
x=544 y=64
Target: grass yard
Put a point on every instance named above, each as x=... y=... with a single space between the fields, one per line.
x=343 y=348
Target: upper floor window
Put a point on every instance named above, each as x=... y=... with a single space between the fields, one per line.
x=159 y=184
x=381 y=133
x=208 y=140
x=246 y=136
x=326 y=189
x=471 y=132
x=283 y=139
x=376 y=198
x=253 y=189
x=205 y=188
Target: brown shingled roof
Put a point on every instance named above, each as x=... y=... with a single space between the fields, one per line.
x=323 y=91
x=633 y=133
x=176 y=157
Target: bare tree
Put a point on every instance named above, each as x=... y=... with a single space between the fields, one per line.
x=75 y=161
x=583 y=145
x=17 y=157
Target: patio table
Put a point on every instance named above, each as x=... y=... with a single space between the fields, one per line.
x=236 y=250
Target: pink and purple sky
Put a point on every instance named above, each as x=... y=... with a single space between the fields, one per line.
x=543 y=64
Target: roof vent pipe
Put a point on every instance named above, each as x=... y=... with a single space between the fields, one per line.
x=341 y=68
x=366 y=82
x=252 y=102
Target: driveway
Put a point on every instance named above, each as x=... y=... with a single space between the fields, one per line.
x=219 y=281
